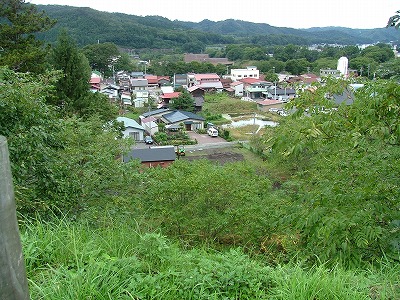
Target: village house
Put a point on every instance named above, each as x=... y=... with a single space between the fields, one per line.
x=180 y=80
x=163 y=80
x=152 y=81
x=140 y=98
x=149 y=124
x=198 y=97
x=178 y=118
x=138 y=84
x=95 y=80
x=156 y=114
x=126 y=98
x=267 y=104
x=208 y=82
x=132 y=129
x=237 y=88
x=282 y=94
x=257 y=90
x=167 y=98
x=153 y=156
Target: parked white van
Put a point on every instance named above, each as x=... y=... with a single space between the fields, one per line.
x=212 y=131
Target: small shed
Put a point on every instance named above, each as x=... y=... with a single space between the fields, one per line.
x=161 y=156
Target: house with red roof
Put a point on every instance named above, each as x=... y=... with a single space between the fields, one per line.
x=167 y=98
x=163 y=80
x=152 y=81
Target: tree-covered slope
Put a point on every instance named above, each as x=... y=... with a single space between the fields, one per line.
x=340 y=35
x=88 y=26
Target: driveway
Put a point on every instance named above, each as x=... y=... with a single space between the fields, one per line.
x=205 y=138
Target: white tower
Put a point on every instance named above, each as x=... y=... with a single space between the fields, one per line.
x=342 y=66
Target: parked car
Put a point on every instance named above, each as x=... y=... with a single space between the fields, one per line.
x=148 y=139
x=212 y=132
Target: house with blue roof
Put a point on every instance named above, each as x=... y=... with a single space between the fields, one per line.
x=132 y=129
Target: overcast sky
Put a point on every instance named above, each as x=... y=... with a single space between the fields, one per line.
x=284 y=13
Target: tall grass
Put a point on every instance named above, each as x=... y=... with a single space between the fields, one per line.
x=68 y=260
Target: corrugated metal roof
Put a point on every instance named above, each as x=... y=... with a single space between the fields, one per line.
x=215 y=84
x=179 y=116
x=130 y=123
x=155 y=112
x=200 y=77
x=170 y=95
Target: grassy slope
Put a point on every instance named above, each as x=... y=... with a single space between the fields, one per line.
x=118 y=261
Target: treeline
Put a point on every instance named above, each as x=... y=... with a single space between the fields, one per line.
x=373 y=61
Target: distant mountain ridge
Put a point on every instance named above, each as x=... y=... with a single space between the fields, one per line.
x=88 y=26
x=245 y=28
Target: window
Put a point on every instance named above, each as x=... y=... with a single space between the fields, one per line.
x=134 y=135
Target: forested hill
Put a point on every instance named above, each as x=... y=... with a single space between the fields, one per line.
x=88 y=26
x=312 y=35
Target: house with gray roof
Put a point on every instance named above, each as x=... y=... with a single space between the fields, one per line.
x=153 y=156
x=138 y=84
x=190 y=120
x=156 y=113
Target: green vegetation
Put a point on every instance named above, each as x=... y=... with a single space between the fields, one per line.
x=119 y=261
x=19 y=50
x=220 y=103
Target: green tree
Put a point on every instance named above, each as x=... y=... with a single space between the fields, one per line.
x=20 y=50
x=297 y=66
x=73 y=87
x=365 y=65
x=183 y=102
x=102 y=57
x=125 y=63
x=394 y=21
x=380 y=53
x=342 y=183
x=389 y=70
x=56 y=162
x=272 y=77
x=324 y=63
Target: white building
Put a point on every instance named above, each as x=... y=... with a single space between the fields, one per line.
x=249 y=72
x=342 y=66
x=132 y=129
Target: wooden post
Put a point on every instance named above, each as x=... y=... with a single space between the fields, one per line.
x=13 y=281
